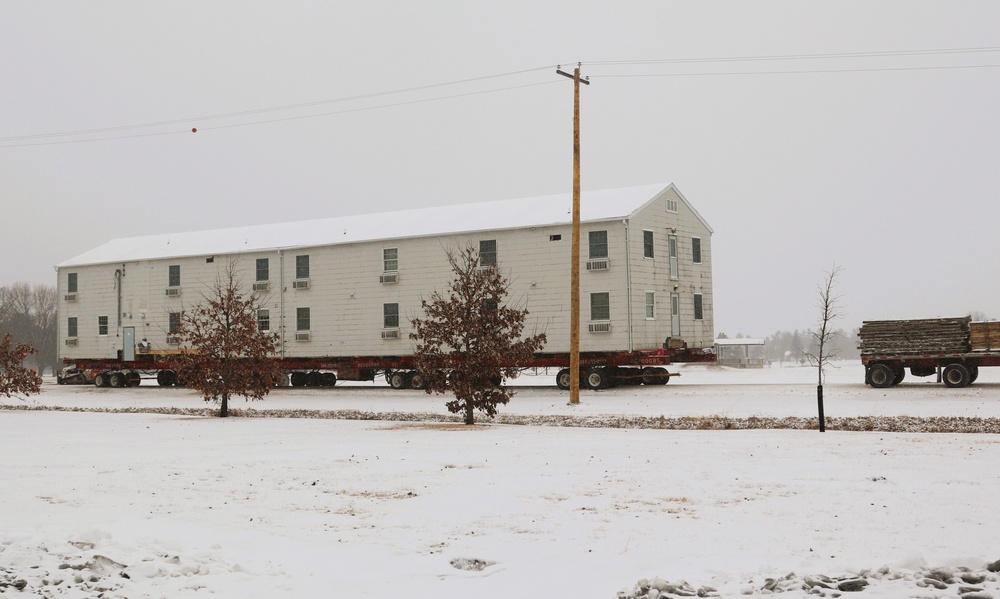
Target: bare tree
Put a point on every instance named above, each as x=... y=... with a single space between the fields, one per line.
x=14 y=377
x=829 y=306
x=28 y=313
x=226 y=353
x=470 y=338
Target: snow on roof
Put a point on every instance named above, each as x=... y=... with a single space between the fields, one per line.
x=608 y=204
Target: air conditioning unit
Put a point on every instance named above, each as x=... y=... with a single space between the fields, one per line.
x=173 y=291
x=389 y=277
x=599 y=327
x=261 y=286
x=390 y=333
x=71 y=341
x=70 y=297
x=302 y=336
x=601 y=264
x=300 y=284
x=173 y=340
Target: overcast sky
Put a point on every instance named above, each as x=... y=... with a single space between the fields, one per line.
x=884 y=161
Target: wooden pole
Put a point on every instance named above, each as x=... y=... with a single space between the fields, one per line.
x=574 y=318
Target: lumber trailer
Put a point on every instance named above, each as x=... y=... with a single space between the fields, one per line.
x=953 y=349
x=598 y=370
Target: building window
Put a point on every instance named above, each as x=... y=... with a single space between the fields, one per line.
x=263 y=320
x=263 y=269
x=699 y=313
x=672 y=251
x=71 y=326
x=488 y=253
x=174 y=276
x=302 y=319
x=302 y=268
x=102 y=326
x=174 y=323
x=71 y=283
x=390 y=260
x=651 y=304
x=696 y=250
x=598 y=244
x=390 y=316
x=600 y=306
x=647 y=244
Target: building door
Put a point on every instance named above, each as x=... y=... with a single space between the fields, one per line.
x=675 y=316
x=128 y=344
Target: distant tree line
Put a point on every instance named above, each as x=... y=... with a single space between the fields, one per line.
x=28 y=314
x=795 y=346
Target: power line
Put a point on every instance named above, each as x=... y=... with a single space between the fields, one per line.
x=829 y=56
x=803 y=71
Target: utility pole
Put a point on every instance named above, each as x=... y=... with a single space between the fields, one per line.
x=574 y=318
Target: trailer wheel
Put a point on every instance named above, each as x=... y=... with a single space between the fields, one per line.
x=880 y=376
x=298 y=379
x=563 y=380
x=417 y=381
x=117 y=380
x=597 y=378
x=955 y=375
x=899 y=376
x=398 y=380
x=328 y=379
x=101 y=379
x=166 y=378
x=973 y=373
x=132 y=379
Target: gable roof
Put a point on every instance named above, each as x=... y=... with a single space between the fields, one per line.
x=595 y=206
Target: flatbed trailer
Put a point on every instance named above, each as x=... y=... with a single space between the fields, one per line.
x=598 y=370
x=954 y=349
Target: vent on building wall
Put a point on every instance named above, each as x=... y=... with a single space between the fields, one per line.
x=390 y=333
x=599 y=327
x=300 y=284
x=389 y=277
x=71 y=341
x=598 y=264
x=302 y=336
x=261 y=286
x=173 y=291
x=70 y=297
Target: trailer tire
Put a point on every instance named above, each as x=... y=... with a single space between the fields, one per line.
x=166 y=378
x=101 y=379
x=973 y=373
x=597 y=378
x=900 y=374
x=328 y=379
x=132 y=379
x=417 y=381
x=116 y=380
x=563 y=379
x=398 y=380
x=880 y=376
x=955 y=375
x=298 y=379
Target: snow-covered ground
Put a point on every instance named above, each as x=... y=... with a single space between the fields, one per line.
x=153 y=505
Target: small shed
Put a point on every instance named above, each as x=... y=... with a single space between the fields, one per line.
x=740 y=353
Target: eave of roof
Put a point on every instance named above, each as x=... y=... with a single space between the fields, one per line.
x=596 y=206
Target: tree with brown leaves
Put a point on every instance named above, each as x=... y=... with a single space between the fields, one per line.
x=225 y=352
x=14 y=377
x=470 y=338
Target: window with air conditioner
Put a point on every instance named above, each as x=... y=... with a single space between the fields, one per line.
x=390 y=259
x=597 y=246
x=302 y=319
x=174 y=275
x=173 y=322
x=390 y=316
x=71 y=282
x=302 y=267
x=600 y=306
x=263 y=270
x=71 y=326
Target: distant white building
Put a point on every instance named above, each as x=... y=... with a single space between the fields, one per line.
x=350 y=285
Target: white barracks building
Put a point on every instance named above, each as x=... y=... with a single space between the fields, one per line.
x=348 y=286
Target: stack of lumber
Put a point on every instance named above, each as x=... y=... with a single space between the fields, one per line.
x=927 y=336
x=985 y=336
